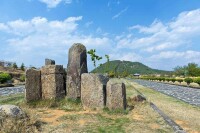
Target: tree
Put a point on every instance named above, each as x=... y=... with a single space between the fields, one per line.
x=193 y=69
x=94 y=57
x=22 y=67
x=180 y=71
x=14 y=66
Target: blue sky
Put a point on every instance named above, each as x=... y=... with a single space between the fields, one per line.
x=160 y=34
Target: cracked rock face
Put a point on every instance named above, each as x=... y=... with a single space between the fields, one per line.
x=93 y=90
x=77 y=65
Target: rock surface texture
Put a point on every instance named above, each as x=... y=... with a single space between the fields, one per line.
x=33 y=85
x=93 y=90
x=77 y=65
x=116 y=95
x=11 y=111
x=52 y=79
x=49 y=62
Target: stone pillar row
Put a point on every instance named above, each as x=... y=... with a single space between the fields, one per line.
x=95 y=90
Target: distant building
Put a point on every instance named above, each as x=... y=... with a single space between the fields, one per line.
x=136 y=75
x=6 y=63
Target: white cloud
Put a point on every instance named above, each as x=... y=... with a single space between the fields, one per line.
x=54 y=3
x=120 y=13
x=161 y=36
x=31 y=41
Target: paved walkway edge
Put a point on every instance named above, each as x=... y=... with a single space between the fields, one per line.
x=173 y=124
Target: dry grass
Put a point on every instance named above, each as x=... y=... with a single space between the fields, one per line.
x=187 y=116
x=63 y=116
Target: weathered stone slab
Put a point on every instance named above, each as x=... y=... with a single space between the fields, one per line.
x=93 y=90
x=49 y=62
x=52 y=78
x=77 y=64
x=33 y=85
x=116 y=95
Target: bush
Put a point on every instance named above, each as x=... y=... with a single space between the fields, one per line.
x=167 y=79
x=111 y=74
x=173 y=80
x=188 y=80
x=179 y=80
x=4 y=77
x=197 y=80
x=22 y=78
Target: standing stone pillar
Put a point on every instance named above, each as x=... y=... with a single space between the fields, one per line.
x=93 y=91
x=116 y=95
x=49 y=62
x=52 y=78
x=33 y=85
x=77 y=64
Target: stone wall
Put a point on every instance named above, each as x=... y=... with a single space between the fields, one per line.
x=33 y=85
x=52 y=78
x=77 y=64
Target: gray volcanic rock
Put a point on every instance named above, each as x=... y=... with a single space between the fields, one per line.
x=116 y=95
x=33 y=89
x=93 y=90
x=11 y=111
x=77 y=64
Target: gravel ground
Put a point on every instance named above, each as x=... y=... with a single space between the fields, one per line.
x=11 y=90
x=187 y=94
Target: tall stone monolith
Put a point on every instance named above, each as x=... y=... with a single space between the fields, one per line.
x=116 y=95
x=77 y=65
x=52 y=78
x=33 y=85
x=93 y=91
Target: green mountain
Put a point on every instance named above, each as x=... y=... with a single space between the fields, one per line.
x=118 y=66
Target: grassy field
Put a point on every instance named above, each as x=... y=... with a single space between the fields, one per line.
x=68 y=116
x=187 y=116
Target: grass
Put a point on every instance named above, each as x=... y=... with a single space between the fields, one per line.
x=183 y=114
x=67 y=115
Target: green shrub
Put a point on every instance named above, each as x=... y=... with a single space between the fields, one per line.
x=179 y=80
x=188 y=80
x=197 y=80
x=111 y=74
x=22 y=78
x=4 y=77
x=167 y=79
x=173 y=80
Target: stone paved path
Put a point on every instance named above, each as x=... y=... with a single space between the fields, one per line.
x=11 y=90
x=187 y=94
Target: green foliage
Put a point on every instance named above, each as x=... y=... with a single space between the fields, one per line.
x=173 y=80
x=192 y=69
x=22 y=67
x=197 y=80
x=22 y=78
x=111 y=74
x=179 y=80
x=94 y=57
x=188 y=80
x=4 y=77
x=14 y=66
